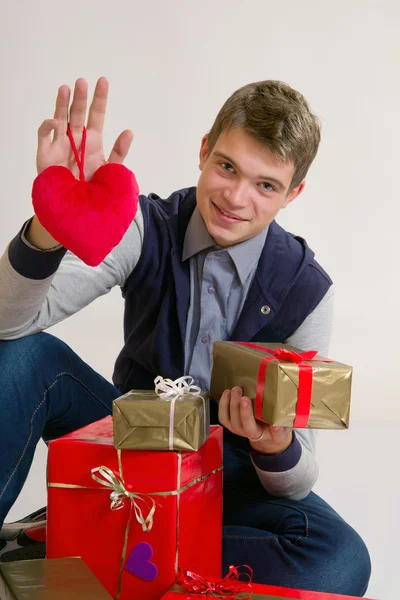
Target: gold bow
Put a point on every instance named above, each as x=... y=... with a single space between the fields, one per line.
x=119 y=493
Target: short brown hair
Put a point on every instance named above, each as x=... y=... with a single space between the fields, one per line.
x=278 y=117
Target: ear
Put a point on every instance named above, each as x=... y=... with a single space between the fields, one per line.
x=293 y=193
x=203 y=151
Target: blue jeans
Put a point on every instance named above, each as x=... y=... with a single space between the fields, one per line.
x=46 y=391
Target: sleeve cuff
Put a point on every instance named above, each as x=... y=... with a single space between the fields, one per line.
x=277 y=463
x=31 y=262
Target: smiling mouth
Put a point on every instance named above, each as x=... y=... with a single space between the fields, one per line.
x=229 y=215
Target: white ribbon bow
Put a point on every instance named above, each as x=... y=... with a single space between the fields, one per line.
x=173 y=390
x=120 y=493
x=166 y=388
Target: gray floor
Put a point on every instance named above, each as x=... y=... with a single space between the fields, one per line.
x=359 y=477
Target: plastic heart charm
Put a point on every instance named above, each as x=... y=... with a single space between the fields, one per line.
x=89 y=218
x=139 y=563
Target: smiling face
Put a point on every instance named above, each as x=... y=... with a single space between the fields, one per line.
x=242 y=187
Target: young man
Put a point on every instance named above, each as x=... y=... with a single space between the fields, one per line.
x=208 y=263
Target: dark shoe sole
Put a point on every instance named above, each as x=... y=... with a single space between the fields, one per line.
x=24 y=539
x=35 y=550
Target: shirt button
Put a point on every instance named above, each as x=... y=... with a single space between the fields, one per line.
x=265 y=310
x=211 y=289
x=205 y=339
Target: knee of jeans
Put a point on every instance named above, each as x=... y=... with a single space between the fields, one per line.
x=347 y=567
x=17 y=357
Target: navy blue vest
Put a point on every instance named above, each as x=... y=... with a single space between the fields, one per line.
x=288 y=280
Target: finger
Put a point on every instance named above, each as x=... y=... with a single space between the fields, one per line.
x=61 y=110
x=251 y=428
x=44 y=134
x=121 y=147
x=62 y=102
x=236 y=421
x=77 y=115
x=223 y=408
x=97 y=111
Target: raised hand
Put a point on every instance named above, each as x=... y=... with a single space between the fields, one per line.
x=56 y=150
x=236 y=414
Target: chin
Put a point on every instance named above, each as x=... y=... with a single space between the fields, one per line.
x=225 y=241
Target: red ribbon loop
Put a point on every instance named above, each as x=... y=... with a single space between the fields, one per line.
x=289 y=355
x=228 y=587
x=304 y=392
x=80 y=160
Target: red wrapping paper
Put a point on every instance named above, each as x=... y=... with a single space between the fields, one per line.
x=186 y=527
x=259 y=592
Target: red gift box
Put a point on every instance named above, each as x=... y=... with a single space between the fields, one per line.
x=232 y=588
x=145 y=510
x=263 y=592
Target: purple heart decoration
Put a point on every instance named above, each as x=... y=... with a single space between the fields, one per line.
x=139 y=563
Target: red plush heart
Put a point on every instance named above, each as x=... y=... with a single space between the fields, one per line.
x=91 y=217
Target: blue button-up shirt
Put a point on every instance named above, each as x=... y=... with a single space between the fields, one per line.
x=219 y=281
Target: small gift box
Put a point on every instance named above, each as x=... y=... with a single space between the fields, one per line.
x=191 y=586
x=175 y=416
x=287 y=387
x=60 y=578
x=134 y=516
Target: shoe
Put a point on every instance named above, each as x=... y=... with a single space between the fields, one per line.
x=24 y=539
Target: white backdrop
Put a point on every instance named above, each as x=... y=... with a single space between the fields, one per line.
x=171 y=65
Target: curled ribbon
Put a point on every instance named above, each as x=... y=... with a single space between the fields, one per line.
x=165 y=388
x=120 y=493
x=228 y=587
x=173 y=390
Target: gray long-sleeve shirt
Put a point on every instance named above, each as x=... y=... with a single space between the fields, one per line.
x=220 y=280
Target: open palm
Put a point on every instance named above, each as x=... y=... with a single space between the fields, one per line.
x=56 y=150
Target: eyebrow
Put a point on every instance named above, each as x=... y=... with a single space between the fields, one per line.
x=267 y=178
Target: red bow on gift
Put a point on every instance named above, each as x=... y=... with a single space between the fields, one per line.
x=228 y=587
x=304 y=394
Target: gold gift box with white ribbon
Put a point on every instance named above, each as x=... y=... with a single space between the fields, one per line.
x=175 y=416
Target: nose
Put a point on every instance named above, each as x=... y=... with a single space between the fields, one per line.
x=236 y=195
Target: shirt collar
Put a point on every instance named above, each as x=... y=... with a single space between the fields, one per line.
x=244 y=255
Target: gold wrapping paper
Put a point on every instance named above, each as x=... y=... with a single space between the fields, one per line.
x=142 y=421
x=45 y=579
x=236 y=365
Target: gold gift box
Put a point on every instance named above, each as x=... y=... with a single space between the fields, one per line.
x=142 y=421
x=45 y=579
x=237 y=365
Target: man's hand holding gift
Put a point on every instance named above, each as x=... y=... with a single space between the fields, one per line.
x=236 y=414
